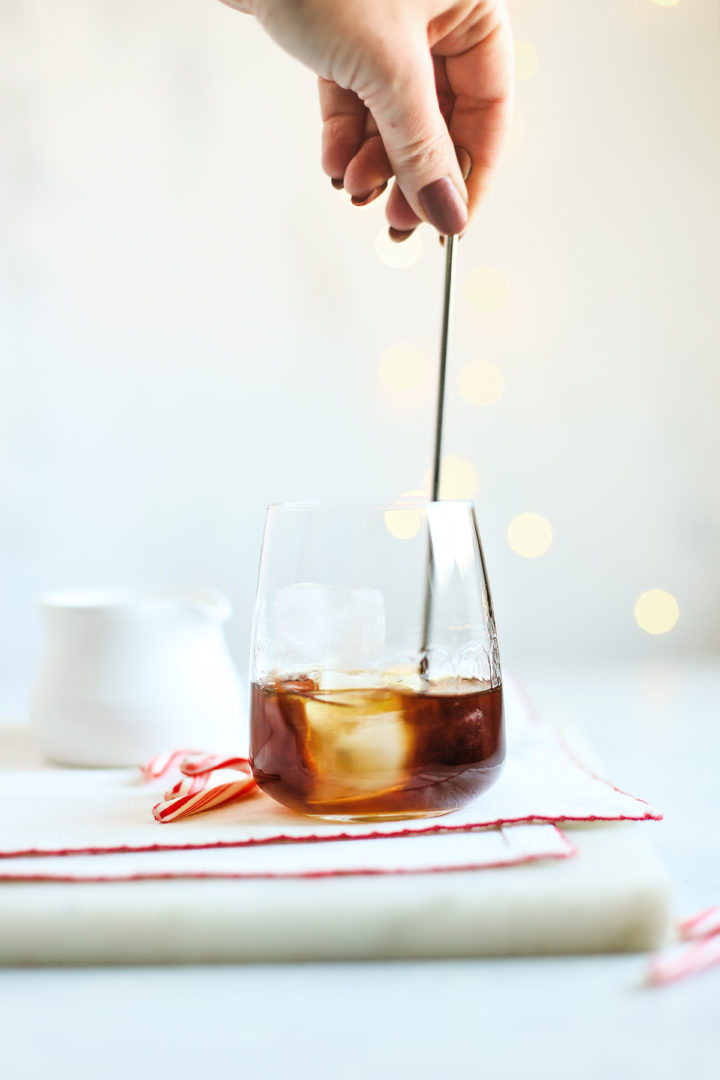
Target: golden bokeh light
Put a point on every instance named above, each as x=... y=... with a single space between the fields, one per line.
x=404 y=523
x=458 y=478
x=656 y=611
x=486 y=289
x=527 y=60
x=529 y=535
x=666 y=3
x=399 y=255
x=481 y=382
x=403 y=368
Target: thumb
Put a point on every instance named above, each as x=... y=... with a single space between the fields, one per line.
x=405 y=107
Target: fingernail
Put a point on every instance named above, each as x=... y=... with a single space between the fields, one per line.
x=464 y=161
x=444 y=206
x=363 y=200
x=338 y=184
x=398 y=235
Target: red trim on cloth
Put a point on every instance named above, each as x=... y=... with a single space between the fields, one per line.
x=569 y=852
x=313 y=838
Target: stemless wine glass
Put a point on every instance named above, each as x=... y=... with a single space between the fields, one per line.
x=376 y=687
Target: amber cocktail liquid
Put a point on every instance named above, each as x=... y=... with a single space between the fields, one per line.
x=382 y=752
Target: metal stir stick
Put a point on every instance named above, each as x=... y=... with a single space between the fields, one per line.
x=437 y=455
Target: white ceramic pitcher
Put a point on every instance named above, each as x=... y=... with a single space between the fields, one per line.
x=128 y=674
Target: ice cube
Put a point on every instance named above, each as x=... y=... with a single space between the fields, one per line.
x=358 y=741
x=405 y=676
x=315 y=627
x=350 y=680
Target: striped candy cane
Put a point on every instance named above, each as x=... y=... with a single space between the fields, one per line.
x=186 y=803
x=208 y=763
x=704 y=924
x=670 y=966
x=161 y=764
x=195 y=791
x=701 y=949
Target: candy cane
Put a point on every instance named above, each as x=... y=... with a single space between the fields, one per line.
x=191 y=793
x=704 y=924
x=183 y=805
x=210 y=762
x=702 y=954
x=188 y=785
x=159 y=765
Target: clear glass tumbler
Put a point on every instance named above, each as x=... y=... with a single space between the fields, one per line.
x=376 y=687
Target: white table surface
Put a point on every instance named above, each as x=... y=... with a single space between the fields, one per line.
x=657 y=729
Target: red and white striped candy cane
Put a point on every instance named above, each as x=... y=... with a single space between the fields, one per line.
x=161 y=764
x=194 y=766
x=704 y=924
x=684 y=960
x=195 y=794
x=188 y=785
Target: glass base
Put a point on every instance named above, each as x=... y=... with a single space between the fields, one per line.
x=394 y=816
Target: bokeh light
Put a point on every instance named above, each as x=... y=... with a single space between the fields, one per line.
x=458 y=478
x=486 y=289
x=666 y=3
x=481 y=382
x=399 y=255
x=404 y=523
x=403 y=368
x=656 y=611
x=529 y=535
x=527 y=60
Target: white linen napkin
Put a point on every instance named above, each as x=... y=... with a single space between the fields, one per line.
x=398 y=855
x=47 y=810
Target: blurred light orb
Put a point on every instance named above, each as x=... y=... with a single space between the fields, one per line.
x=529 y=535
x=481 y=382
x=486 y=289
x=527 y=60
x=399 y=255
x=656 y=611
x=458 y=478
x=403 y=368
x=666 y=3
x=404 y=523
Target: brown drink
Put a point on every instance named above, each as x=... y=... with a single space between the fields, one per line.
x=376 y=752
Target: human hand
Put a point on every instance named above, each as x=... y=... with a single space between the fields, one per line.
x=418 y=89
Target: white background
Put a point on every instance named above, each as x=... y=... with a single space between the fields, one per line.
x=191 y=319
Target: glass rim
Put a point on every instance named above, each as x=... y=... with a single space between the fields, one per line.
x=410 y=502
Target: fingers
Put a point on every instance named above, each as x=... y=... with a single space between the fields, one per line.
x=353 y=151
x=370 y=169
x=421 y=114
x=400 y=215
x=484 y=133
x=419 y=146
x=343 y=116
x=481 y=80
x=402 y=219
